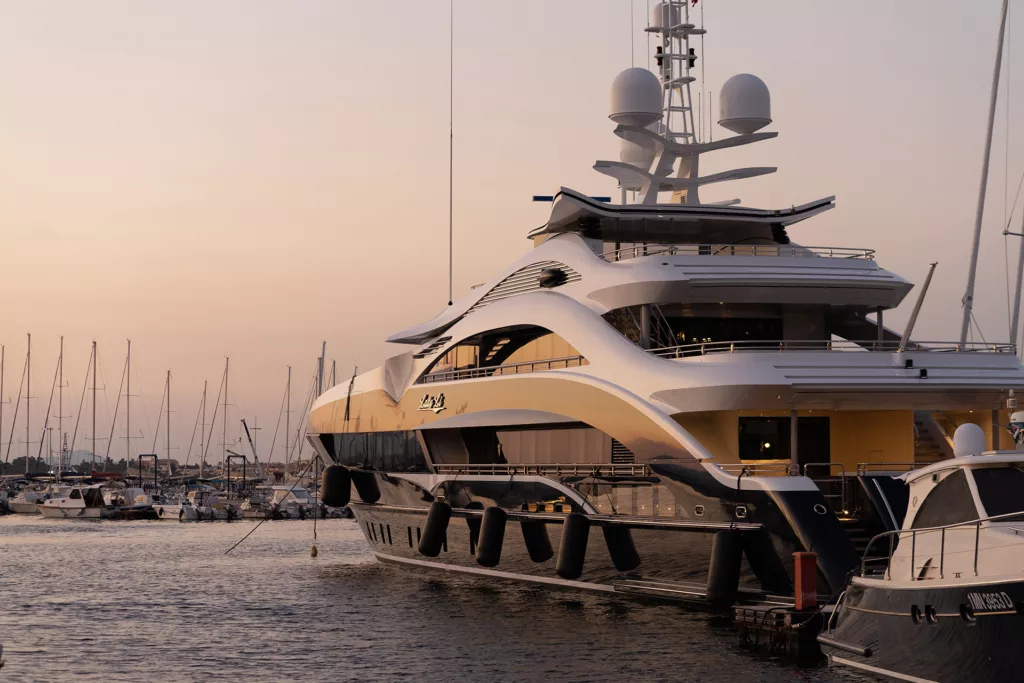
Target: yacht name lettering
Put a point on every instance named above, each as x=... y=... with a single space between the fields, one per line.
x=990 y=602
x=433 y=404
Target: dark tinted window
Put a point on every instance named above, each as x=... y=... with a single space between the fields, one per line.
x=950 y=502
x=391 y=451
x=1001 y=489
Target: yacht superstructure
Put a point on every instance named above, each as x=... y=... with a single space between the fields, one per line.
x=664 y=397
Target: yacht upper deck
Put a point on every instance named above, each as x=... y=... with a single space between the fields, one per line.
x=757 y=250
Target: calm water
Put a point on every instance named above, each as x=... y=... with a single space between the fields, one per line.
x=160 y=601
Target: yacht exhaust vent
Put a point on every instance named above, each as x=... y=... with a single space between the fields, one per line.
x=432 y=347
x=528 y=279
x=621 y=455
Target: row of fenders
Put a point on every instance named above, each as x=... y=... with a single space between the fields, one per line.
x=490 y=532
x=723 y=573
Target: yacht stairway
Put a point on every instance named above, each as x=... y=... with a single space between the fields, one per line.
x=931 y=444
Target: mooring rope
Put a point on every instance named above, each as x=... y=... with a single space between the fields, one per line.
x=266 y=518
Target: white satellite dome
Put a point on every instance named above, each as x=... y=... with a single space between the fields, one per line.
x=744 y=105
x=968 y=439
x=639 y=155
x=636 y=98
x=664 y=16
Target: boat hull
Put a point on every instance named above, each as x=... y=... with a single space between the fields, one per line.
x=960 y=643
x=23 y=508
x=55 y=512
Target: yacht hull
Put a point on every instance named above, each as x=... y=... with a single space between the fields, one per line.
x=23 y=508
x=959 y=643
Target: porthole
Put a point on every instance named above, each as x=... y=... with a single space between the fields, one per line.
x=389 y=535
x=915 y=614
x=967 y=613
x=741 y=512
x=409 y=529
x=819 y=508
x=699 y=510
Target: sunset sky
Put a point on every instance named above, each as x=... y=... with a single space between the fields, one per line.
x=248 y=178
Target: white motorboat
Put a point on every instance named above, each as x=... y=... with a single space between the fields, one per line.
x=26 y=502
x=82 y=502
x=201 y=505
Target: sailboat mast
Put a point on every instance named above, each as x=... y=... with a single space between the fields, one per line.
x=95 y=362
x=202 y=460
x=128 y=408
x=288 y=421
x=28 y=396
x=3 y=352
x=168 y=421
x=968 y=302
x=224 y=417
x=60 y=399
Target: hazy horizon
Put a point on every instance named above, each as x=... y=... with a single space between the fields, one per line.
x=248 y=179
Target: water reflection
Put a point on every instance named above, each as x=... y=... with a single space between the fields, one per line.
x=141 y=601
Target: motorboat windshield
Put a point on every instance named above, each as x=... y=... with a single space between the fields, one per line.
x=999 y=488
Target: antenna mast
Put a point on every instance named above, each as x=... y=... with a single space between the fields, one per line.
x=972 y=272
x=656 y=119
x=451 y=143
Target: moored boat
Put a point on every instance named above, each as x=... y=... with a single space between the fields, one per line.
x=939 y=599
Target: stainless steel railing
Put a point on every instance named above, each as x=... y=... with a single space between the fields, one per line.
x=776 y=250
x=896 y=536
x=509 y=369
x=754 y=469
x=546 y=470
x=744 y=346
x=829 y=480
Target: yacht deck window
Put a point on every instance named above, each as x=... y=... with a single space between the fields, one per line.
x=512 y=350
x=949 y=502
x=1000 y=489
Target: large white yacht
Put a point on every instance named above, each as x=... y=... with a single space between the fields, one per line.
x=663 y=396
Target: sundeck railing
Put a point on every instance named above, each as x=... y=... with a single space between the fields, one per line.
x=897 y=535
x=762 y=346
x=759 y=469
x=782 y=250
x=865 y=468
x=578 y=470
x=510 y=369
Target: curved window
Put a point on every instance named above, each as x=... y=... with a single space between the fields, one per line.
x=949 y=502
x=999 y=489
x=511 y=350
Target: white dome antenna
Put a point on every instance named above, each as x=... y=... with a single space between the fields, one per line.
x=744 y=104
x=636 y=98
x=968 y=439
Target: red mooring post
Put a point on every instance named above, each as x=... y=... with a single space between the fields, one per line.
x=805 y=573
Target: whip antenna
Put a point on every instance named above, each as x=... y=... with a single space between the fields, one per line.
x=451 y=136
